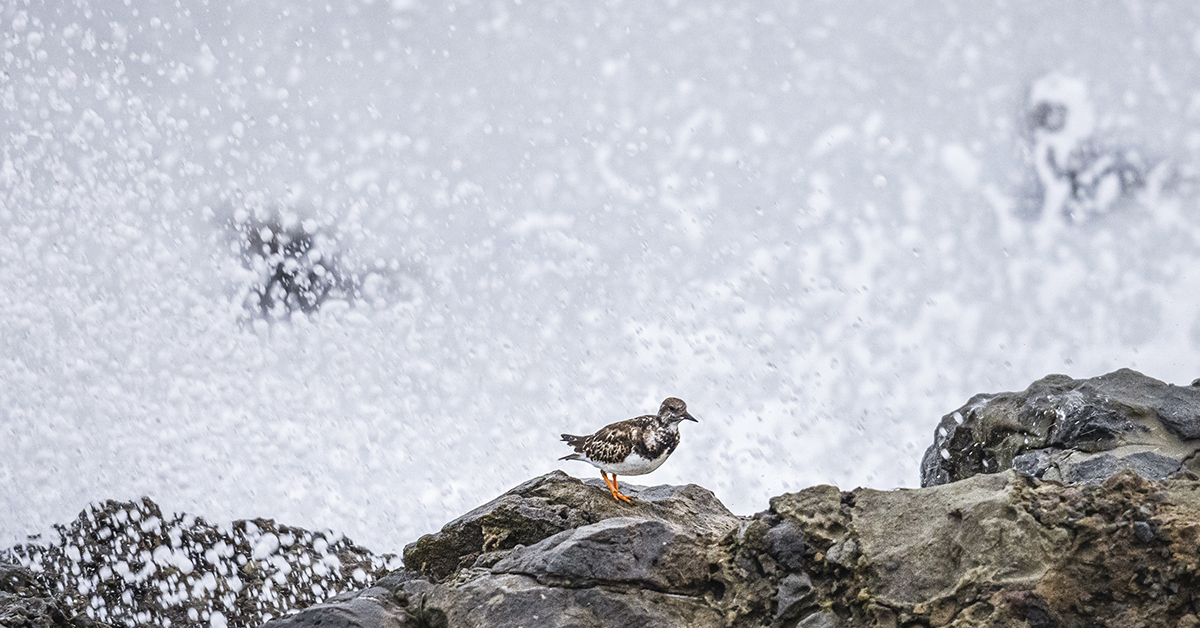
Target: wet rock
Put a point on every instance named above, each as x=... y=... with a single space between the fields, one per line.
x=1070 y=430
x=129 y=563
x=26 y=602
x=552 y=503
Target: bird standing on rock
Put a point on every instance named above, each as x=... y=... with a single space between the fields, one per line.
x=632 y=447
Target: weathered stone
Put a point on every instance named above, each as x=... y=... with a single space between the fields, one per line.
x=794 y=591
x=816 y=510
x=785 y=545
x=922 y=545
x=547 y=505
x=515 y=600
x=375 y=607
x=1145 y=425
x=621 y=550
x=820 y=619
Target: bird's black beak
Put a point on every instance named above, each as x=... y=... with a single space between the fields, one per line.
x=689 y=417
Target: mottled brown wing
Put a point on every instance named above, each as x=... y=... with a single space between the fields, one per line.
x=614 y=442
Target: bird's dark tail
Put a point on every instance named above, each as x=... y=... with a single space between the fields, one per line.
x=577 y=443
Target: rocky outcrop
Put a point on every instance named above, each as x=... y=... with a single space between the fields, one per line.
x=1020 y=548
x=1071 y=430
x=556 y=551
x=993 y=550
x=554 y=503
x=125 y=563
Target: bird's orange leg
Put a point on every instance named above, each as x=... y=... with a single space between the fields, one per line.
x=617 y=491
x=608 y=483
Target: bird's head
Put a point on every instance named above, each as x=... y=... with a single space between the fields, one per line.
x=674 y=410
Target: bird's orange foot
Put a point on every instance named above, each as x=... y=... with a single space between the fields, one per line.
x=612 y=487
x=616 y=491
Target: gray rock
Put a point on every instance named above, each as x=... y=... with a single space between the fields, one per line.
x=794 y=591
x=1116 y=545
x=1143 y=531
x=508 y=600
x=552 y=503
x=843 y=554
x=786 y=546
x=820 y=619
x=1147 y=426
x=621 y=550
x=375 y=607
x=920 y=545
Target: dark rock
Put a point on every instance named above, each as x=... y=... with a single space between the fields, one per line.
x=621 y=550
x=515 y=600
x=376 y=607
x=794 y=591
x=1097 y=468
x=1035 y=463
x=1143 y=531
x=552 y=503
x=785 y=545
x=1053 y=429
x=128 y=563
x=26 y=602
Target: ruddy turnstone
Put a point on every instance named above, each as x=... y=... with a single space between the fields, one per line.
x=631 y=447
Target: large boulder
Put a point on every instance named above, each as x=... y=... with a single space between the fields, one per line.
x=557 y=551
x=644 y=552
x=550 y=504
x=1071 y=430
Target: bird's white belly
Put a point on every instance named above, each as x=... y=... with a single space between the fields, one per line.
x=633 y=465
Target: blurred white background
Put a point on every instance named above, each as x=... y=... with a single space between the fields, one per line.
x=823 y=226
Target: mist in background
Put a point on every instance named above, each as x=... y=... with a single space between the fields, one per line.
x=357 y=265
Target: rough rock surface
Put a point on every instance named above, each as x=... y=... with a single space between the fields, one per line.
x=994 y=550
x=25 y=602
x=1071 y=430
x=125 y=563
x=552 y=503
